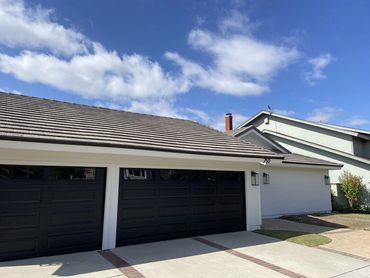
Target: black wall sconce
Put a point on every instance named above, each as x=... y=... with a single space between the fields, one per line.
x=266 y=178
x=254 y=178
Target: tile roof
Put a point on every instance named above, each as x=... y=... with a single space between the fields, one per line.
x=293 y=158
x=42 y=120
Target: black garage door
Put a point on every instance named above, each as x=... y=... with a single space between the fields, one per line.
x=50 y=210
x=165 y=204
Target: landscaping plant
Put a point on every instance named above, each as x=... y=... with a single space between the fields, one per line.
x=352 y=187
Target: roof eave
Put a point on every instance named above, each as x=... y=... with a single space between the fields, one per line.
x=147 y=148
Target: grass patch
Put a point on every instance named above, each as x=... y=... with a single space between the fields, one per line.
x=302 y=238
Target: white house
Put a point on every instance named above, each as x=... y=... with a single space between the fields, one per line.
x=347 y=146
x=75 y=177
x=300 y=184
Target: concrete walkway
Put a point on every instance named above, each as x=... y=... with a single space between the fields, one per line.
x=240 y=254
x=353 y=242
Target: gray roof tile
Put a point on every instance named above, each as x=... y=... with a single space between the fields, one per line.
x=35 y=119
x=293 y=158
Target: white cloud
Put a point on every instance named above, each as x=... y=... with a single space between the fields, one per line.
x=98 y=75
x=61 y=57
x=91 y=72
x=236 y=22
x=318 y=65
x=356 y=121
x=13 y=91
x=199 y=114
x=323 y=115
x=164 y=108
x=155 y=107
x=241 y=64
x=22 y=26
x=284 y=112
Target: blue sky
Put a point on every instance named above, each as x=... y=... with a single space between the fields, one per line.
x=193 y=59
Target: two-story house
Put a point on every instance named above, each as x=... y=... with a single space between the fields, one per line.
x=347 y=146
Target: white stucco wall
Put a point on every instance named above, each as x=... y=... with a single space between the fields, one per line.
x=22 y=153
x=294 y=191
x=355 y=167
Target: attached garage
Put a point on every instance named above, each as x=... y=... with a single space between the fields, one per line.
x=50 y=210
x=75 y=178
x=165 y=204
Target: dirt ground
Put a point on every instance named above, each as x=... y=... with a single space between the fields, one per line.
x=348 y=232
x=334 y=220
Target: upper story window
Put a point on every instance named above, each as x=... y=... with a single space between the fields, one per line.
x=20 y=172
x=266 y=178
x=75 y=173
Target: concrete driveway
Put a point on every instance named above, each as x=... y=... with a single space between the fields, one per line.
x=240 y=254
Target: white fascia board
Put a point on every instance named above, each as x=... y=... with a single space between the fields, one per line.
x=23 y=145
x=251 y=119
x=339 y=129
x=300 y=165
x=307 y=166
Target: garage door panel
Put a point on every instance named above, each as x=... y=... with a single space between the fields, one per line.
x=138 y=213
x=71 y=240
x=19 y=220
x=72 y=217
x=136 y=203
x=137 y=223
x=53 y=214
x=173 y=211
x=20 y=196
x=11 y=249
x=183 y=203
x=168 y=202
x=139 y=192
x=203 y=209
x=173 y=192
x=66 y=195
x=226 y=190
x=203 y=191
x=172 y=228
x=136 y=234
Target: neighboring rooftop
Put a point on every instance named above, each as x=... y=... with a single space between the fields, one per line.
x=41 y=120
x=289 y=158
x=365 y=134
x=293 y=158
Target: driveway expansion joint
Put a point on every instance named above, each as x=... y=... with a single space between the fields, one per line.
x=123 y=266
x=252 y=259
x=343 y=253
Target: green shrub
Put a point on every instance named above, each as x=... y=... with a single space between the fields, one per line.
x=352 y=187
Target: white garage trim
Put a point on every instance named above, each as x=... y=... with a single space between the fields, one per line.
x=111 y=208
x=29 y=153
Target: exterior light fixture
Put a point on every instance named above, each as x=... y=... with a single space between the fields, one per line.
x=254 y=178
